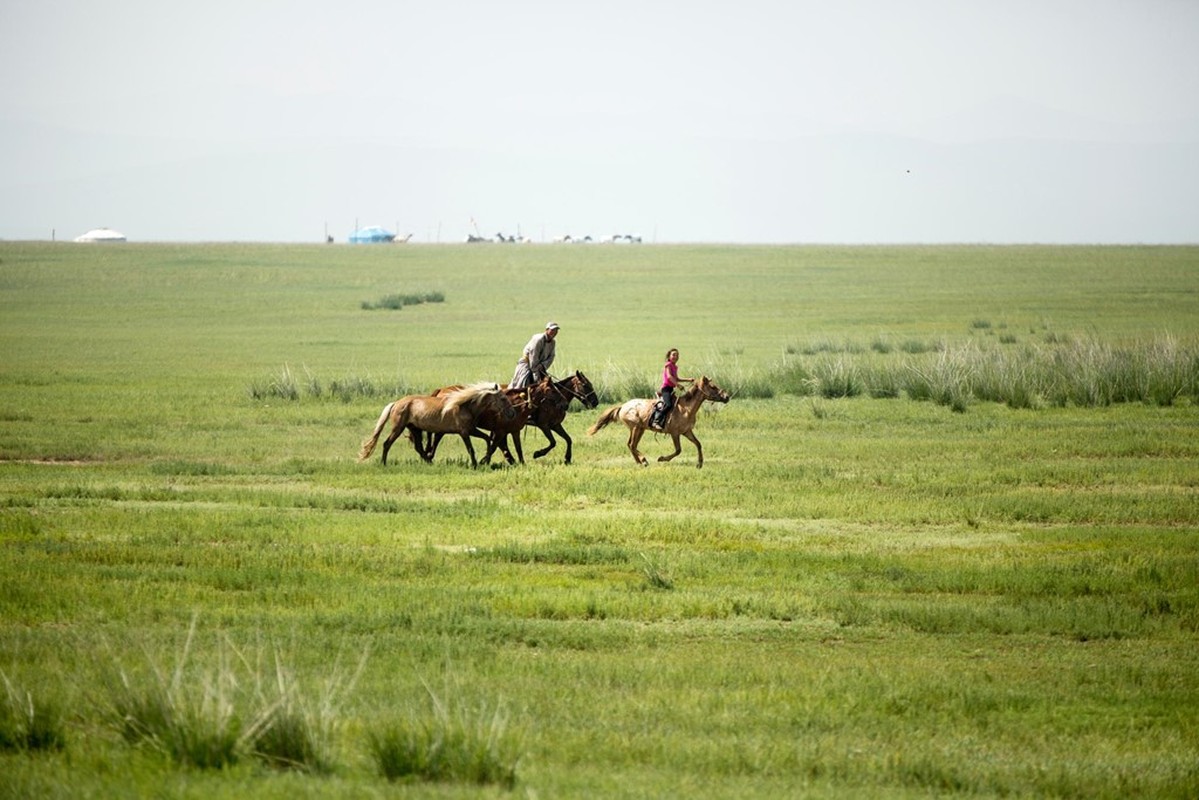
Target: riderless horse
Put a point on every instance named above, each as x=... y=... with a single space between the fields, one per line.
x=455 y=412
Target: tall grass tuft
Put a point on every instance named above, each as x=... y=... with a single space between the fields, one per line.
x=345 y=389
x=945 y=380
x=619 y=382
x=299 y=732
x=838 y=376
x=215 y=717
x=793 y=376
x=1067 y=371
x=656 y=576
x=395 y=302
x=28 y=723
x=449 y=741
x=191 y=715
x=282 y=386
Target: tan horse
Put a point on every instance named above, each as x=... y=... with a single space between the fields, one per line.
x=636 y=415
x=456 y=412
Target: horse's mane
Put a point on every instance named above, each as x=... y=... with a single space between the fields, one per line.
x=694 y=389
x=467 y=395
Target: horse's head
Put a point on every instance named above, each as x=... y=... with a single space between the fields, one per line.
x=502 y=405
x=584 y=390
x=710 y=391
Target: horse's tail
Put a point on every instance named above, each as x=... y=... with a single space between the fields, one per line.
x=609 y=416
x=368 y=444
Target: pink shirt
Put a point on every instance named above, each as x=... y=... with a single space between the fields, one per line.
x=670 y=375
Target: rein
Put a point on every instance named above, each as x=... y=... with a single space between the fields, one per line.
x=562 y=387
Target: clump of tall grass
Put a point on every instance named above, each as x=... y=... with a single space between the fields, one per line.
x=838 y=376
x=619 y=382
x=193 y=716
x=212 y=717
x=655 y=573
x=29 y=723
x=395 y=302
x=282 y=386
x=348 y=388
x=917 y=346
x=884 y=380
x=945 y=380
x=449 y=740
x=825 y=345
x=301 y=729
x=793 y=376
x=1084 y=372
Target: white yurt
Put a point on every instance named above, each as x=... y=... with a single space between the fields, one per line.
x=101 y=235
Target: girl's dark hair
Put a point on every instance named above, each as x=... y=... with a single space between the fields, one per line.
x=671 y=350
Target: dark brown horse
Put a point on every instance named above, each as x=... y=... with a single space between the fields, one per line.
x=550 y=415
x=636 y=415
x=455 y=412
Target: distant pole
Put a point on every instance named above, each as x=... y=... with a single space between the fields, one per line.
x=53 y=235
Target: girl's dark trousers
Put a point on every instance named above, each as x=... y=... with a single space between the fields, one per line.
x=662 y=409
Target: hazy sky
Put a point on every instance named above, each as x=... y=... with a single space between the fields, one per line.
x=754 y=121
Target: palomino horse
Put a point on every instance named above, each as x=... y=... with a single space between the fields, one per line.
x=636 y=415
x=551 y=413
x=455 y=412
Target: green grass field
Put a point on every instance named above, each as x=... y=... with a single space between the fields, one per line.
x=943 y=543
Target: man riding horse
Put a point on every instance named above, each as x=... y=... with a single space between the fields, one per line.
x=536 y=359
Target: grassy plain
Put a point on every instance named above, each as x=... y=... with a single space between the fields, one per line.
x=855 y=597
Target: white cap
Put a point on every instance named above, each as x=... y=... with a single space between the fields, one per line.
x=551 y=326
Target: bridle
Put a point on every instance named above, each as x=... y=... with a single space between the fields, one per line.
x=563 y=387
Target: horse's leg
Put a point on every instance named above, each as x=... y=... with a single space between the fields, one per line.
x=508 y=450
x=424 y=443
x=396 y=430
x=498 y=441
x=678 y=448
x=699 y=449
x=520 y=450
x=503 y=443
x=470 y=448
x=431 y=450
x=635 y=434
x=566 y=438
x=479 y=433
x=549 y=435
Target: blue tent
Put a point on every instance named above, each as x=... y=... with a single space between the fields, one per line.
x=371 y=235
